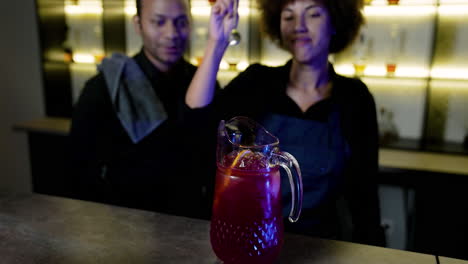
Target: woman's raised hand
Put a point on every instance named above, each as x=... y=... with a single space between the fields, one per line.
x=224 y=18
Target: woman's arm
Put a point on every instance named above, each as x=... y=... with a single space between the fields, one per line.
x=223 y=20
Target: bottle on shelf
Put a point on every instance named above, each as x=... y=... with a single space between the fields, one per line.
x=395 y=47
x=360 y=55
x=391 y=68
x=359 y=67
x=387 y=128
x=67 y=55
x=233 y=56
x=393 y=2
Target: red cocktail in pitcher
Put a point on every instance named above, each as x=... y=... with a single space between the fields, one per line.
x=247 y=222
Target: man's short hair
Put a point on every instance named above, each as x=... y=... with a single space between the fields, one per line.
x=139 y=6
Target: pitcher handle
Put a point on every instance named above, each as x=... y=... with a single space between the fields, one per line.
x=287 y=161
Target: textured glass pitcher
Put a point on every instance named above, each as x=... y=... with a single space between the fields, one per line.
x=247 y=222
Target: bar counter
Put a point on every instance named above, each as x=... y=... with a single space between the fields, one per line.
x=46 y=229
x=415 y=175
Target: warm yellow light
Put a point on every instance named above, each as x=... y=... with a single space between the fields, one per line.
x=378 y=8
x=194 y=61
x=461 y=2
x=130 y=10
x=224 y=65
x=83 y=58
x=369 y=70
x=380 y=71
x=274 y=62
x=412 y=72
x=375 y=71
x=391 y=83
x=198 y=10
x=201 y=10
x=405 y=2
x=453 y=10
x=458 y=73
x=82 y=9
x=399 y=10
x=242 y=65
x=344 y=69
x=206 y=10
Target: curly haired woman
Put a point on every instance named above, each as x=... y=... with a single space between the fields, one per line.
x=327 y=121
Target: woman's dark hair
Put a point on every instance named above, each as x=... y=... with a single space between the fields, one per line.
x=346 y=18
x=138 y=7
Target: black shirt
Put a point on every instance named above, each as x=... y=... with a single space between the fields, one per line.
x=261 y=89
x=165 y=171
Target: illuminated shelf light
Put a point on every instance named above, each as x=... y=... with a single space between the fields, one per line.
x=275 y=63
x=390 y=83
x=83 y=9
x=130 y=10
x=399 y=10
x=206 y=10
x=224 y=65
x=458 y=73
x=242 y=65
x=453 y=10
x=201 y=10
x=195 y=62
x=412 y=72
x=83 y=58
x=376 y=9
x=445 y=73
x=403 y=2
x=461 y=2
x=380 y=71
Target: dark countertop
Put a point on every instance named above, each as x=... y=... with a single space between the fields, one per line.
x=46 y=229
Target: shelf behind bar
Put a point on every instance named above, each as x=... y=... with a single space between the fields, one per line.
x=48 y=125
x=410 y=158
x=424 y=161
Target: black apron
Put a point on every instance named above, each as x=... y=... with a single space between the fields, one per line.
x=321 y=151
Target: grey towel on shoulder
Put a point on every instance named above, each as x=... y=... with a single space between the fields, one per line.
x=136 y=104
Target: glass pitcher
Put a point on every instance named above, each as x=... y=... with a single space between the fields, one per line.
x=247 y=222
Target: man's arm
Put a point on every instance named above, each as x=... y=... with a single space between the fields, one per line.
x=84 y=139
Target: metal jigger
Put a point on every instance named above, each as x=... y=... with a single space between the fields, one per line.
x=234 y=38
